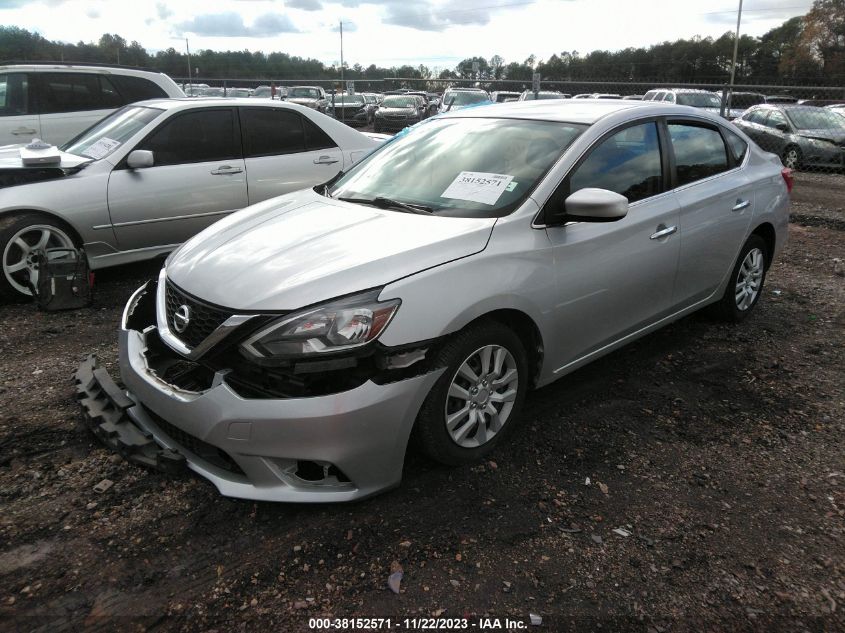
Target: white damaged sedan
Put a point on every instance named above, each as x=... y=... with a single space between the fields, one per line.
x=289 y=351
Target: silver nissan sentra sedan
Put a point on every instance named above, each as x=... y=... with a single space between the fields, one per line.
x=289 y=351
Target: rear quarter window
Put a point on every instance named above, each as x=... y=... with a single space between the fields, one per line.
x=137 y=88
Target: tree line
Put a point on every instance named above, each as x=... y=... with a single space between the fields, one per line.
x=805 y=50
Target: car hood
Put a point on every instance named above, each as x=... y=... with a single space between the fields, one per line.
x=14 y=172
x=302 y=248
x=837 y=136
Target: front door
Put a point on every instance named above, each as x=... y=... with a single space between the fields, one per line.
x=615 y=278
x=197 y=177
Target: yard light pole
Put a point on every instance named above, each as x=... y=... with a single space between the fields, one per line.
x=190 y=82
x=341 y=56
x=733 y=62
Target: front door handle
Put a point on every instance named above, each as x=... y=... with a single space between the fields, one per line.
x=325 y=160
x=663 y=231
x=21 y=131
x=226 y=169
x=741 y=204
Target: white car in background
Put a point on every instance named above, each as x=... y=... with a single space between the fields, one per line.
x=153 y=174
x=55 y=102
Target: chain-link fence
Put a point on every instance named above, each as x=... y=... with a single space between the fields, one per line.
x=803 y=125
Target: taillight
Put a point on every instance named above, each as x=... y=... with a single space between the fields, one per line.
x=786 y=172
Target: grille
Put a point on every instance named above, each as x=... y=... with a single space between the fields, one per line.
x=204 y=319
x=204 y=450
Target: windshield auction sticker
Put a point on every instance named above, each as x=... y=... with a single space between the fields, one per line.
x=101 y=148
x=477 y=186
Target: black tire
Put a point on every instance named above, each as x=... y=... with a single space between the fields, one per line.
x=727 y=308
x=376 y=128
x=791 y=157
x=431 y=430
x=12 y=225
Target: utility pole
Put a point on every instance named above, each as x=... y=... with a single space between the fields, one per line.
x=341 y=56
x=730 y=89
x=190 y=81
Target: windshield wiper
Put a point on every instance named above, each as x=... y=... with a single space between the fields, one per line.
x=386 y=203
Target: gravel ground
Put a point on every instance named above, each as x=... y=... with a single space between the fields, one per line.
x=718 y=450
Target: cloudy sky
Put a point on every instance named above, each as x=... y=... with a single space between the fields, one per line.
x=437 y=33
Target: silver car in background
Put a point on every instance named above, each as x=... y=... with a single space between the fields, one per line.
x=289 y=351
x=143 y=180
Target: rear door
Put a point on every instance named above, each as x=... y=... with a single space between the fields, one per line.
x=717 y=202
x=18 y=117
x=198 y=176
x=285 y=151
x=69 y=103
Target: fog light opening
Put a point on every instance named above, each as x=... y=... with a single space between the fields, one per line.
x=320 y=473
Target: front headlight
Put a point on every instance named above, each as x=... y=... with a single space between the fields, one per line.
x=335 y=326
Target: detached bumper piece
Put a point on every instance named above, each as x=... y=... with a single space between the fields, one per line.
x=105 y=407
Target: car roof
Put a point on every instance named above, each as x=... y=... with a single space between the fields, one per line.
x=563 y=110
x=102 y=69
x=184 y=103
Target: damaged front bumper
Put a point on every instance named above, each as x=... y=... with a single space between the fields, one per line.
x=328 y=448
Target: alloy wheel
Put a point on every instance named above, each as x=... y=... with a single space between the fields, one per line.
x=481 y=396
x=791 y=159
x=20 y=253
x=748 y=279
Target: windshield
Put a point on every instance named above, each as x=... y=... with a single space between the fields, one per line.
x=303 y=93
x=262 y=91
x=349 y=100
x=739 y=100
x=212 y=92
x=399 y=102
x=810 y=118
x=465 y=167
x=529 y=96
x=465 y=98
x=698 y=100
x=237 y=92
x=105 y=136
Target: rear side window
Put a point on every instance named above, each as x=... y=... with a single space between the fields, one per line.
x=14 y=94
x=737 y=146
x=271 y=131
x=628 y=163
x=699 y=152
x=137 y=88
x=199 y=136
x=75 y=92
x=315 y=137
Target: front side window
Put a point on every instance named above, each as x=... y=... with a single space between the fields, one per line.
x=627 y=163
x=14 y=94
x=194 y=137
x=76 y=92
x=105 y=136
x=699 y=152
x=464 y=167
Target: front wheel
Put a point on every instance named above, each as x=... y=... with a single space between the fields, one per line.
x=21 y=237
x=477 y=400
x=746 y=281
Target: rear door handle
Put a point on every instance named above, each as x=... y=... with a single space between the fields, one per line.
x=325 y=160
x=663 y=231
x=226 y=169
x=741 y=204
x=22 y=131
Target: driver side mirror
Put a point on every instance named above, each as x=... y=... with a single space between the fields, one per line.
x=783 y=127
x=590 y=205
x=140 y=158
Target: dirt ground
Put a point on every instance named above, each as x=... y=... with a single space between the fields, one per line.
x=719 y=450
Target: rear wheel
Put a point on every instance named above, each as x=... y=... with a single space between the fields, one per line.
x=791 y=157
x=21 y=236
x=477 y=400
x=746 y=282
